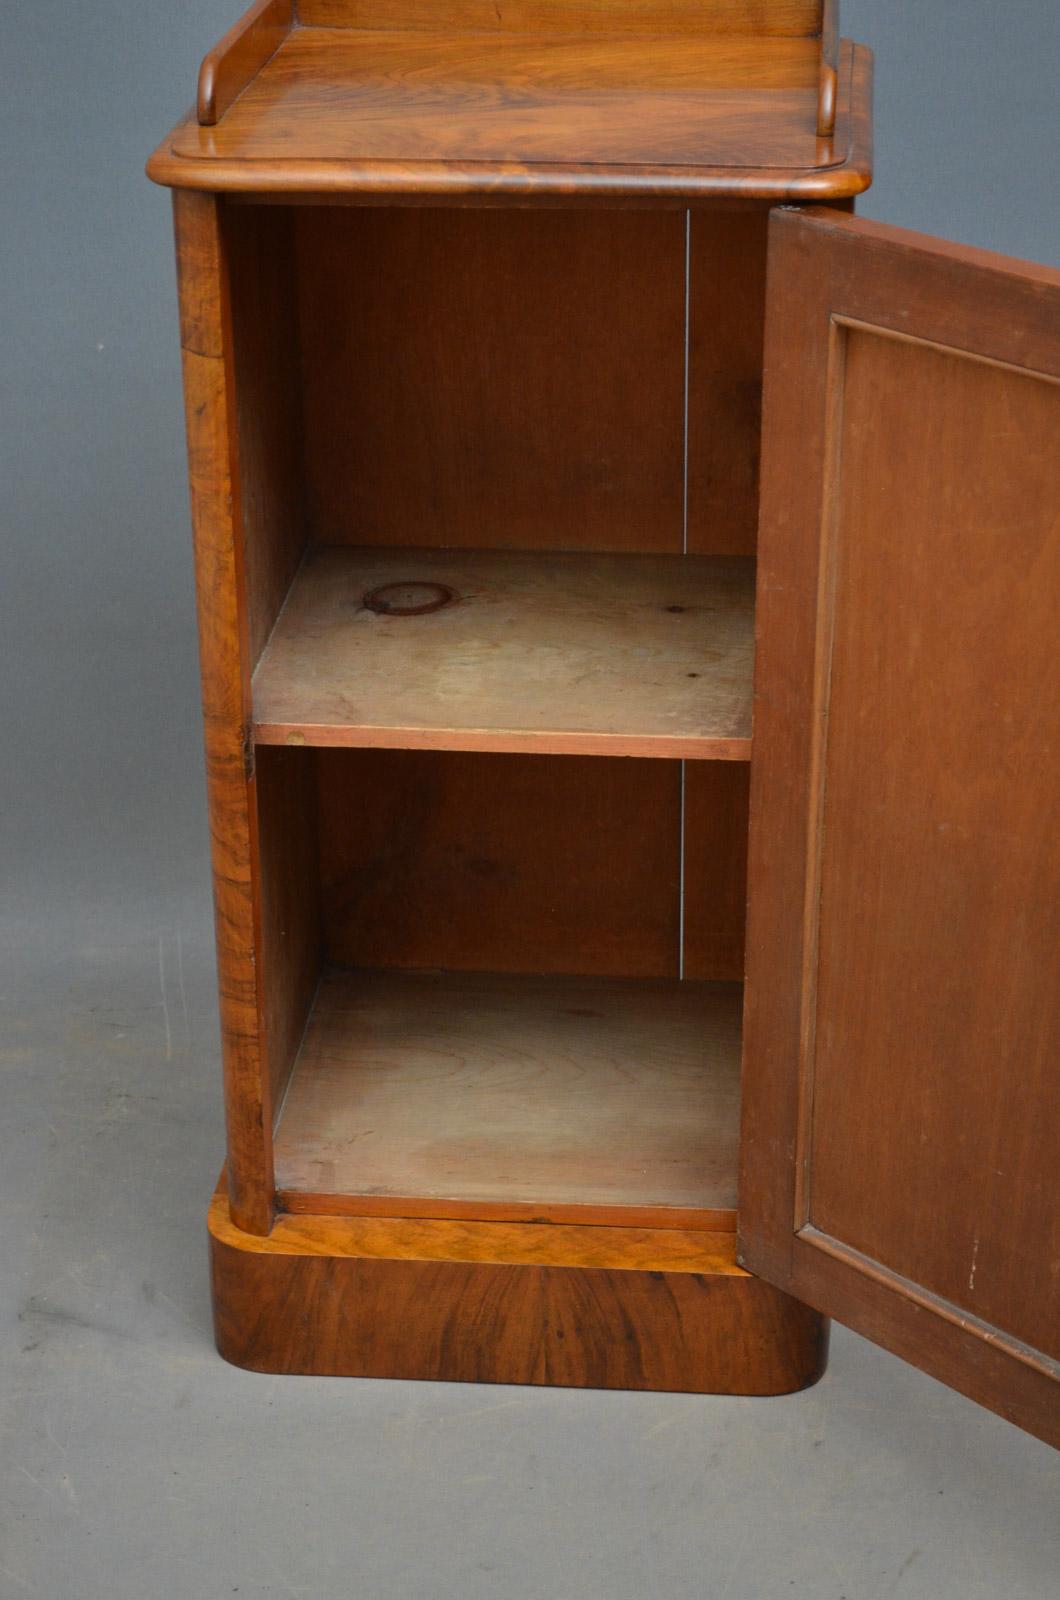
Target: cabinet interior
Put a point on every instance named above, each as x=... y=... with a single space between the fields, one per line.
x=502 y=842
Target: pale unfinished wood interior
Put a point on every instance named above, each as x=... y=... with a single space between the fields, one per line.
x=549 y=1093
x=584 y=653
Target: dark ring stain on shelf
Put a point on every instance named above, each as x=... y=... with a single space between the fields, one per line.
x=413 y=598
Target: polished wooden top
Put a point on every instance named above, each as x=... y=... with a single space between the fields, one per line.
x=501 y=114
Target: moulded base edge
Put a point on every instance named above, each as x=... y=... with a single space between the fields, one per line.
x=526 y=1303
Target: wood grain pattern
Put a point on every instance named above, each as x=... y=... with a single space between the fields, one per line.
x=726 y=328
x=522 y=97
x=582 y=1214
x=961 y=841
x=777 y=17
x=224 y=655
x=901 y=1037
x=489 y=863
x=240 y=56
x=472 y=391
x=539 y=1091
x=259 y=255
x=577 y=1245
x=828 y=92
x=291 y=938
x=506 y=1303
x=416 y=115
x=557 y=654
x=715 y=857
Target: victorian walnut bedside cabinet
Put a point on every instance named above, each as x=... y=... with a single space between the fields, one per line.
x=477 y=301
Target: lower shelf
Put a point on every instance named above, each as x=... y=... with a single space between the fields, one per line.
x=528 y=1303
x=558 y=1099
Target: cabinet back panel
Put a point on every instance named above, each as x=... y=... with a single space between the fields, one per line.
x=726 y=332
x=531 y=863
x=530 y=379
x=494 y=378
x=500 y=863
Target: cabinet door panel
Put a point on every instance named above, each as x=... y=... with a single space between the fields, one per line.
x=902 y=1042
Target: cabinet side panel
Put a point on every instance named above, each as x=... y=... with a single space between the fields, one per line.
x=500 y=863
x=259 y=249
x=259 y=246
x=726 y=305
x=290 y=954
x=220 y=579
x=494 y=379
x=715 y=865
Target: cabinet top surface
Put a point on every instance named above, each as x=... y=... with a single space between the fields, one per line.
x=609 y=115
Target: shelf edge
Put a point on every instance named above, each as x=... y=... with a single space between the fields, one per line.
x=352 y=736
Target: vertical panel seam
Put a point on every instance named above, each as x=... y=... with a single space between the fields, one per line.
x=684 y=551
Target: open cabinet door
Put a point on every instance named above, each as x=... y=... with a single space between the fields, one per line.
x=901 y=1138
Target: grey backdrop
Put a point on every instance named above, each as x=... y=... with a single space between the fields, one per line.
x=134 y=1464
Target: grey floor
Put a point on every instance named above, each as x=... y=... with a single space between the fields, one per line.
x=134 y=1465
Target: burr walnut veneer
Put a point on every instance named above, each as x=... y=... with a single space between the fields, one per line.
x=628 y=594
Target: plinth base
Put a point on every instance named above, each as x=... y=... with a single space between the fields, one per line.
x=486 y=1302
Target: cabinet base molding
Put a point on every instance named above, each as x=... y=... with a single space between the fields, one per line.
x=525 y=1303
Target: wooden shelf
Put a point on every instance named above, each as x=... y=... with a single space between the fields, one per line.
x=622 y=655
x=566 y=1099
